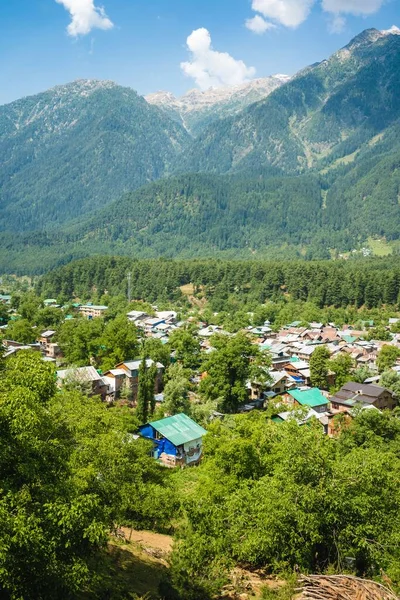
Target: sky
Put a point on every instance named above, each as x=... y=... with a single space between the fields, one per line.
x=173 y=45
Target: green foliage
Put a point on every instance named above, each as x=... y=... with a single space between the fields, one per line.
x=156 y=350
x=21 y=331
x=341 y=365
x=145 y=396
x=80 y=340
x=228 y=368
x=286 y=498
x=69 y=471
x=119 y=342
x=186 y=346
x=176 y=396
x=379 y=333
x=319 y=367
x=323 y=290
x=391 y=381
x=387 y=357
x=361 y=374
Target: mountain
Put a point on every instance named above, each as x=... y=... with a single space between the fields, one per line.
x=71 y=150
x=312 y=170
x=328 y=109
x=197 y=109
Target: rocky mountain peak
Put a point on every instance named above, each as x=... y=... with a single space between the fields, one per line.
x=197 y=106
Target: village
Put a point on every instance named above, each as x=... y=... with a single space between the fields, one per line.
x=292 y=388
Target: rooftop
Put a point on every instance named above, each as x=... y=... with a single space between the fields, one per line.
x=179 y=429
x=311 y=398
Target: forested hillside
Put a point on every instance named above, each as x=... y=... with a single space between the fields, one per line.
x=370 y=282
x=73 y=149
x=310 y=172
x=351 y=97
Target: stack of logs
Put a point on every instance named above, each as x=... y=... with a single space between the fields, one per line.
x=342 y=587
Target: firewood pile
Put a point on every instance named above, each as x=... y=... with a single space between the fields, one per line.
x=342 y=587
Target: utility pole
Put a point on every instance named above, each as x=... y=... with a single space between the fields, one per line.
x=129 y=287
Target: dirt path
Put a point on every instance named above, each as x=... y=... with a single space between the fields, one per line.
x=149 y=540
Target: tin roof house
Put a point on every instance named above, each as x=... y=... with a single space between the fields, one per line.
x=177 y=441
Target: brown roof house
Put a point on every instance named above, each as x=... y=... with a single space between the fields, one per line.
x=362 y=394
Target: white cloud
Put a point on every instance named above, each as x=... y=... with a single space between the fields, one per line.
x=337 y=8
x=337 y=24
x=85 y=17
x=352 y=7
x=290 y=13
x=210 y=68
x=259 y=25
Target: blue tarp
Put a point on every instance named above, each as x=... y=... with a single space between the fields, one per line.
x=160 y=446
x=164 y=446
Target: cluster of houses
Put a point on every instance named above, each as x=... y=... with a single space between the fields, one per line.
x=177 y=440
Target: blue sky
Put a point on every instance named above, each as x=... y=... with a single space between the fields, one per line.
x=143 y=43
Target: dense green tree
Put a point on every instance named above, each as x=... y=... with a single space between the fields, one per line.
x=156 y=350
x=80 y=340
x=69 y=472
x=379 y=333
x=185 y=344
x=341 y=365
x=49 y=317
x=151 y=383
x=265 y=497
x=361 y=374
x=142 y=401
x=391 y=381
x=234 y=361
x=4 y=314
x=119 y=342
x=387 y=357
x=319 y=367
x=145 y=397
x=176 y=392
x=21 y=331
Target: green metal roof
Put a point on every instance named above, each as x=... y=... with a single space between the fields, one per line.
x=179 y=429
x=350 y=339
x=311 y=398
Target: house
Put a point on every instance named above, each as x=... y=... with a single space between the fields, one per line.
x=131 y=369
x=115 y=380
x=50 y=302
x=364 y=394
x=136 y=315
x=5 y=299
x=299 y=419
x=339 y=420
x=299 y=370
x=91 y=311
x=48 y=346
x=177 y=441
x=167 y=315
x=84 y=377
x=281 y=382
x=312 y=398
x=46 y=337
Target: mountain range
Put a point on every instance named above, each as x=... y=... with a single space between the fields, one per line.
x=198 y=109
x=301 y=166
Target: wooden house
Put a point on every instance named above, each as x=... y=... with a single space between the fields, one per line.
x=361 y=394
